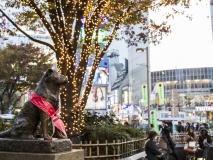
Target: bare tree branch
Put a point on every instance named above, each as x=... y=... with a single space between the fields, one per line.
x=31 y=38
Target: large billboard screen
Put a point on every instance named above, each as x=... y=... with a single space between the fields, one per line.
x=97 y=98
x=101 y=77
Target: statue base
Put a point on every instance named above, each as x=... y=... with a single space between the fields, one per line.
x=35 y=146
x=71 y=155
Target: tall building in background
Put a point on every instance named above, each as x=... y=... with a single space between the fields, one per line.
x=119 y=84
x=186 y=89
x=182 y=62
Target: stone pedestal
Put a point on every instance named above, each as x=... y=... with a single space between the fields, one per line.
x=35 y=146
x=39 y=149
x=71 y=155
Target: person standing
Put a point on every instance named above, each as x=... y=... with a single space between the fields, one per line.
x=151 y=149
x=164 y=126
x=180 y=128
x=197 y=126
x=205 y=142
x=170 y=144
x=187 y=126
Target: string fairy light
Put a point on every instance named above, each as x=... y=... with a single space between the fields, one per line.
x=65 y=36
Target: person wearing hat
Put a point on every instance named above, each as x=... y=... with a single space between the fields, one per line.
x=205 y=142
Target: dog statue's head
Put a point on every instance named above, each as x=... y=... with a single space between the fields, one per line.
x=54 y=77
x=49 y=85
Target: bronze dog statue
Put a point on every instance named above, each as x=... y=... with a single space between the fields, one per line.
x=27 y=121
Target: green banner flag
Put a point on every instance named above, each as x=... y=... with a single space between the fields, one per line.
x=144 y=94
x=161 y=93
x=153 y=119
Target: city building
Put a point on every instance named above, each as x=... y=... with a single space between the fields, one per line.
x=118 y=90
x=182 y=63
x=186 y=89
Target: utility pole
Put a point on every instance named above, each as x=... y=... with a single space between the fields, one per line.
x=148 y=79
x=148 y=83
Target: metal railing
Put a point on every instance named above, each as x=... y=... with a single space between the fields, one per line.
x=179 y=138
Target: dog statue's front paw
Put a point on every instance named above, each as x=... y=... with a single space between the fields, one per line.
x=47 y=138
x=61 y=136
x=58 y=134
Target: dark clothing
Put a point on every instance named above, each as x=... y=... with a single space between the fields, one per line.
x=152 y=150
x=204 y=146
x=174 y=154
x=187 y=128
x=164 y=128
x=171 y=146
x=169 y=141
x=197 y=126
x=180 y=129
x=201 y=139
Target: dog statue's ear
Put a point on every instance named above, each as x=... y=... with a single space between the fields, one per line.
x=48 y=73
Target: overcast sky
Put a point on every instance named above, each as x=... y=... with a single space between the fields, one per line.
x=189 y=45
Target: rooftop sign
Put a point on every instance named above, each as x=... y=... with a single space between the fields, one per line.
x=204 y=108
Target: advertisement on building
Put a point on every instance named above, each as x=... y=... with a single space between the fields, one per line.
x=97 y=98
x=167 y=116
x=101 y=76
x=119 y=70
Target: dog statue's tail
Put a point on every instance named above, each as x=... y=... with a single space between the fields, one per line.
x=5 y=134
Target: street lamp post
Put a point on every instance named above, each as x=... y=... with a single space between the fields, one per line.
x=139 y=50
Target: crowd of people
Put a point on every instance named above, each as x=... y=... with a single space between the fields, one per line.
x=198 y=133
x=195 y=126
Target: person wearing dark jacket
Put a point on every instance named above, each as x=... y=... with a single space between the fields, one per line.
x=205 y=142
x=170 y=144
x=164 y=126
x=151 y=149
x=180 y=128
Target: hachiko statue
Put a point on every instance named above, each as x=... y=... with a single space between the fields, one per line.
x=42 y=105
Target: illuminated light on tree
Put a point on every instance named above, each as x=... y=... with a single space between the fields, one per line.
x=63 y=21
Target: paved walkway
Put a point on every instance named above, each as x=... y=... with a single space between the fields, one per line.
x=136 y=156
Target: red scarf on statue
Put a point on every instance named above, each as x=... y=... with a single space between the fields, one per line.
x=45 y=106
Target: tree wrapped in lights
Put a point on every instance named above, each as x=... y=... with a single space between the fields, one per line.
x=63 y=21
